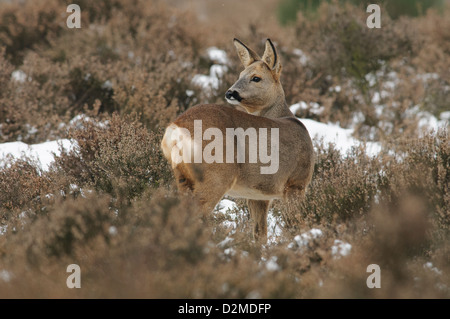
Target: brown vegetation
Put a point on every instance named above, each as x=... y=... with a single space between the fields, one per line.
x=110 y=205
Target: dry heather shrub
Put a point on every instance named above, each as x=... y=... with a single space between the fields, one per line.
x=157 y=96
x=119 y=157
x=34 y=109
x=159 y=247
x=343 y=45
x=433 y=35
x=25 y=26
x=433 y=58
x=170 y=247
x=353 y=71
x=405 y=230
x=342 y=189
x=402 y=228
x=399 y=242
x=69 y=224
x=177 y=233
x=21 y=185
x=6 y=69
x=132 y=56
x=423 y=169
x=66 y=226
x=133 y=238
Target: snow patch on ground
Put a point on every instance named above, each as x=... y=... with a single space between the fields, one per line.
x=429 y=266
x=3 y=229
x=311 y=107
x=217 y=55
x=340 y=249
x=79 y=121
x=428 y=122
x=230 y=210
x=216 y=71
x=20 y=76
x=43 y=153
x=333 y=133
x=341 y=137
x=271 y=263
x=5 y=275
x=233 y=214
x=304 y=239
x=211 y=81
x=302 y=57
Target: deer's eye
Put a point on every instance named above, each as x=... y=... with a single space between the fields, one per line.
x=256 y=79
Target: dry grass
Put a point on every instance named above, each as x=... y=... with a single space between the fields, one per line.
x=110 y=205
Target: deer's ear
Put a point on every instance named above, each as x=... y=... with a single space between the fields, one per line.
x=246 y=55
x=270 y=57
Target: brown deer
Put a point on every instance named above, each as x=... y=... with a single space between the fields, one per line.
x=203 y=164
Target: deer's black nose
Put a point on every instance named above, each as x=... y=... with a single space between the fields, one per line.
x=230 y=95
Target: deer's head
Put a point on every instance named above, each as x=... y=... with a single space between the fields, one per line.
x=258 y=87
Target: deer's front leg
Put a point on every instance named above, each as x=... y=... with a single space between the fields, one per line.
x=258 y=213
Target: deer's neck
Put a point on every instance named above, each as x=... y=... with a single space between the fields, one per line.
x=278 y=109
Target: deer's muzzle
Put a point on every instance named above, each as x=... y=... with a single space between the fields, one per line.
x=233 y=95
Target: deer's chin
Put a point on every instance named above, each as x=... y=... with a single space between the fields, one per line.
x=233 y=101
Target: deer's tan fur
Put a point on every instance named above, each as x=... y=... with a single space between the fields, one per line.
x=265 y=106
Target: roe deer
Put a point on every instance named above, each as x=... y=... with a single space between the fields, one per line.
x=240 y=173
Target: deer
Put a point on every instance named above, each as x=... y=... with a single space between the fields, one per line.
x=256 y=102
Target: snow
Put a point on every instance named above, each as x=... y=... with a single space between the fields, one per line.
x=107 y=85
x=79 y=121
x=271 y=264
x=336 y=89
x=332 y=133
x=217 y=55
x=341 y=137
x=429 y=122
x=274 y=227
x=298 y=106
x=211 y=81
x=216 y=71
x=304 y=239
x=378 y=96
x=5 y=275
x=429 y=266
x=230 y=251
x=314 y=108
x=302 y=57
x=112 y=230
x=43 y=153
x=225 y=242
x=445 y=116
x=340 y=249
x=229 y=208
x=19 y=76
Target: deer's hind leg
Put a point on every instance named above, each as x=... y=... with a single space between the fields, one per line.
x=211 y=190
x=205 y=185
